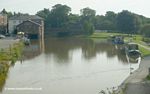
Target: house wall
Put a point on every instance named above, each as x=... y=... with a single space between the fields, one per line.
x=12 y=25
x=41 y=22
x=30 y=28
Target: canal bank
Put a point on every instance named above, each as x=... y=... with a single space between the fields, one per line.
x=10 y=51
x=83 y=65
x=136 y=83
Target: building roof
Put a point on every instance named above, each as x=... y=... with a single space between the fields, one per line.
x=25 y=17
x=30 y=22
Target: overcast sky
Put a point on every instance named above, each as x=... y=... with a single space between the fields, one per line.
x=141 y=7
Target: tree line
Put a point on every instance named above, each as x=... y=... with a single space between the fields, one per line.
x=87 y=21
x=60 y=20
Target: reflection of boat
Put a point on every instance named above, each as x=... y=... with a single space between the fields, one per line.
x=134 y=59
x=132 y=50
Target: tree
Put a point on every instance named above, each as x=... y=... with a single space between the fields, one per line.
x=4 y=11
x=59 y=16
x=87 y=19
x=9 y=14
x=88 y=28
x=43 y=13
x=111 y=16
x=97 y=22
x=110 y=20
x=126 y=22
x=88 y=14
x=146 y=30
x=106 y=22
x=73 y=18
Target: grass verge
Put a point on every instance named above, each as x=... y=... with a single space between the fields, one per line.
x=12 y=53
x=128 y=38
x=9 y=54
x=148 y=77
x=144 y=51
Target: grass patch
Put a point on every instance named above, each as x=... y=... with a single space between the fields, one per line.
x=139 y=40
x=148 y=77
x=147 y=40
x=9 y=54
x=12 y=53
x=4 y=67
x=144 y=51
x=104 y=35
x=127 y=38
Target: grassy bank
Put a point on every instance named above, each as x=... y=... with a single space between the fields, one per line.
x=4 y=67
x=12 y=53
x=144 y=51
x=134 y=38
x=143 y=47
x=104 y=35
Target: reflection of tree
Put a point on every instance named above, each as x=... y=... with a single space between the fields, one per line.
x=112 y=50
x=106 y=47
x=3 y=74
x=88 y=49
x=60 y=48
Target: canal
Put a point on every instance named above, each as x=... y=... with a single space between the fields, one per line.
x=68 y=66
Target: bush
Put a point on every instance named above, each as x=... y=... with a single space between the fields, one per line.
x=148 y=77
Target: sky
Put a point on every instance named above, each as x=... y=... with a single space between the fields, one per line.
x=141 y=7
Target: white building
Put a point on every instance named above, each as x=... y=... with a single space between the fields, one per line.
x=16 y=20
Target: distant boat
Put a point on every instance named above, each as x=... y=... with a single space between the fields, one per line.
x=132 y=50
x=26 y=40
x=118 y=39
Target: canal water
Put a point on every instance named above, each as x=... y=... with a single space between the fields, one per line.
x=68 y=66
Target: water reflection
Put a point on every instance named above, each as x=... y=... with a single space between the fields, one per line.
x=30 y=52
x=35 y=49
x=84 y=65
x=61 y=48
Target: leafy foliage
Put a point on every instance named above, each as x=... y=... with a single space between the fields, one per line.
x=60 y=19
x=126 y=22
x=146 y=30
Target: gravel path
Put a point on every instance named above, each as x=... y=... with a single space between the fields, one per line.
x=5 y=43
x=135 y=82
